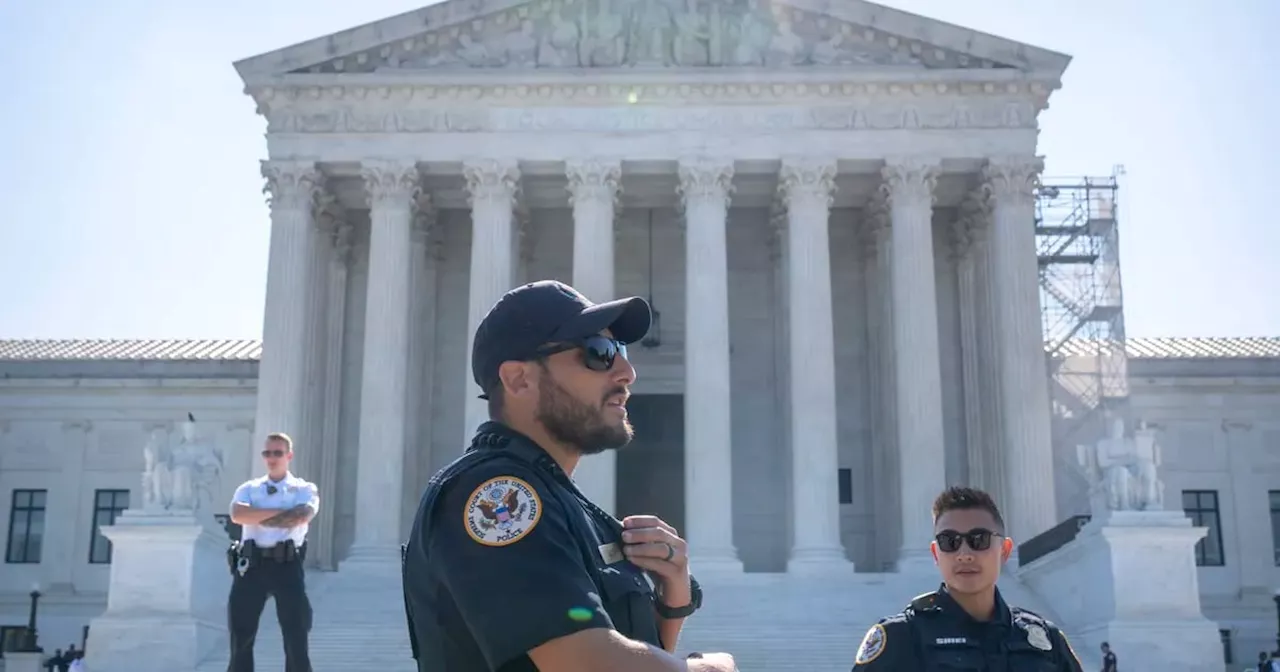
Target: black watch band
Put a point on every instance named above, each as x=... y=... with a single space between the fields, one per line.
x=672 y=613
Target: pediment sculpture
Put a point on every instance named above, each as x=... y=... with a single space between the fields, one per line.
x=180 y=476
x=1123 y=472
x=653 y=33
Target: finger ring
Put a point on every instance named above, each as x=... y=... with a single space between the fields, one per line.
x=671 y=552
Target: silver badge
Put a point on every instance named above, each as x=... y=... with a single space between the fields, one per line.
x=1037 y=637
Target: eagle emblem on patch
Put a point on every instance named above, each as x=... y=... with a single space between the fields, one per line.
x=872 y=645
x=502 y=511
x=1037 y=637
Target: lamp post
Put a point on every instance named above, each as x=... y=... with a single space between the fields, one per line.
x=31 y=643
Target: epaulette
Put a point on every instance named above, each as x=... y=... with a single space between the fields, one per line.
x=925 y=603
x=893 y=620
x=1028 y=616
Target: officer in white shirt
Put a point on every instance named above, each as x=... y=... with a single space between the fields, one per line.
x=274 y=512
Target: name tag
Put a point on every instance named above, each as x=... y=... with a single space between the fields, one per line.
x=945 y=641
x=611 y=553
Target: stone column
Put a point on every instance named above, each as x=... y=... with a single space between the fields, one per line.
x=966 y=236
x=1024 y=377
x=392 y=188
x=705 y=187
x=807 y=187
x=282 y=374
x=989 y=357
x=417 y=419
x=882 y=406
x=593 y=193
x=492 y=188
x=335 y=328
x=307 y=437
x=909 y=184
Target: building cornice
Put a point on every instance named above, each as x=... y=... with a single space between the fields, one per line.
x=540 y=102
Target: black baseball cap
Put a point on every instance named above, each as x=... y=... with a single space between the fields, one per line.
x=548 y=311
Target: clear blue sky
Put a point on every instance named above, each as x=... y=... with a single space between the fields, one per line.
x=132 y=203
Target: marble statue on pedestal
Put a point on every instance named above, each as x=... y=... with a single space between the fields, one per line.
x=180 y=477
x=1123 y=472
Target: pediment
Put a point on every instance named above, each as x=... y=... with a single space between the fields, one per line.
x=470 y=35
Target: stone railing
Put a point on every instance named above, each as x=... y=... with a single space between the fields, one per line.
x=1050 y=540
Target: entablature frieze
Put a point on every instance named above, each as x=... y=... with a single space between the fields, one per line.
x=773 y=101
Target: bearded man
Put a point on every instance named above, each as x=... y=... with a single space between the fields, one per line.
x=509 y=567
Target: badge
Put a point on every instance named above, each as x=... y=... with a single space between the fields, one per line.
x=1037 y=637
x=501 y=511
x=872 y=645
x=610 y=553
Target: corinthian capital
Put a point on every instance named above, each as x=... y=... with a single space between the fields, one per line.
x=910 y=179
x=492 y=180
x=705 y=178
x=807 y=178
x=424 y=217
x=593 y=180
x=291 y=183
x=1012 y=179
x=972 y=221
x=390 y=182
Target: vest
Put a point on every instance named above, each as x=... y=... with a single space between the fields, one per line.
x=629 y=608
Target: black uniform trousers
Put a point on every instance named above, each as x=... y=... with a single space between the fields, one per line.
x=286 y=582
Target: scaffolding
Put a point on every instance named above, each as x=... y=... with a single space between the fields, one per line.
x=1081 y=300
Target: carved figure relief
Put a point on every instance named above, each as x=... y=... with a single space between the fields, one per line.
x=651 y=33
x=181 y=476
x=1123 y=472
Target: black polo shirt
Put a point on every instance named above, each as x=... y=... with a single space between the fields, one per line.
x=500 y=564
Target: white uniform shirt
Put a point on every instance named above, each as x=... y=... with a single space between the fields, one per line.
x=290 y=492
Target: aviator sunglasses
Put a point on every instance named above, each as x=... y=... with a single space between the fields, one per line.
x=273 y=453
x=978 y=540
x=598 y=352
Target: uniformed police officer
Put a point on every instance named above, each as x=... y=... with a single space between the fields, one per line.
x=274 y=511
x=509 y=567
x=966 y=625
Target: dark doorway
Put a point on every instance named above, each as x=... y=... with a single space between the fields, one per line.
x=651 y=468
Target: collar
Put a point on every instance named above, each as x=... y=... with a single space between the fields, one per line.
x=1002 y=615
x=288 y=477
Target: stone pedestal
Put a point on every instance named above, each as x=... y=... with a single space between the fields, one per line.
x=20 y=661
x=1130 y=579
x=167 y=596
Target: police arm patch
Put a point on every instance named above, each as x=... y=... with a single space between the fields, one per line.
x=501 y=511
x=872 y=645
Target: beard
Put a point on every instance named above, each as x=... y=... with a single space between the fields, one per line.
x=580 y=425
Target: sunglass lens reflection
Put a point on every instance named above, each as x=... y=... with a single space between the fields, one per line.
x=978 y=540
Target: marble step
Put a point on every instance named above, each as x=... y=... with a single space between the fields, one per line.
x=771 y=623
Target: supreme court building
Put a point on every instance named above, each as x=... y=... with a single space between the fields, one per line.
x=792 y=184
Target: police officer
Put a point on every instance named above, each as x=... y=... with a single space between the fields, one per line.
x=966 y=625
x=274 y=511
x=508 y=566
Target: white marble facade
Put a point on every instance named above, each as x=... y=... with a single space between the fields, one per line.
x=828 y=203
x=522 y=140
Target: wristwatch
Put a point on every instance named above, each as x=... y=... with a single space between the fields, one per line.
x=672 y=613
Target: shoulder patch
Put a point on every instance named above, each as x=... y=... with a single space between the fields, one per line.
x=872 y=645
x=501 y=511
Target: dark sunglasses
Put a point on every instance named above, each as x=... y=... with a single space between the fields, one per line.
x=978 y=540
x=598 y=353
x=273 y=453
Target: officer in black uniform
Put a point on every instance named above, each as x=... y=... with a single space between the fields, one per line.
x=966 y=625
x=508 y=566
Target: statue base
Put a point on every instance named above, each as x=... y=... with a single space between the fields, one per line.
x=23 y=661
x=1129 y=578
x=167 y=596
